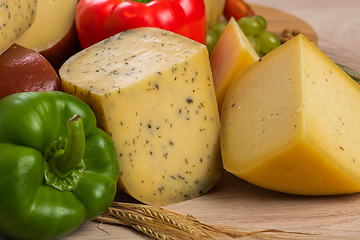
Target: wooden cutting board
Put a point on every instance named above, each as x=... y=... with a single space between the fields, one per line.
x=234 y=202
x=278 y=21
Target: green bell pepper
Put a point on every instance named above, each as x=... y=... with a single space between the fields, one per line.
x=57 y=169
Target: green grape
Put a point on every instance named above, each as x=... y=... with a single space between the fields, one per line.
x=254 y=43
x=262 y=21
x=218 y=28
x=211 y=40
x=268 y=41
x=249 y=25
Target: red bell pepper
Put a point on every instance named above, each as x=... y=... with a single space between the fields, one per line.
x=99 y=19
x=237 y=9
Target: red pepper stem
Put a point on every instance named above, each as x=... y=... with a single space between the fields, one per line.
x=63 y=164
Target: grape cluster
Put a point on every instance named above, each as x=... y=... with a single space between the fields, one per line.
x=254 y=28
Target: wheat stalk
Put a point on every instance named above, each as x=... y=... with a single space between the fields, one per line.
x=163 y=224
x=175 y=220
x=152 y=233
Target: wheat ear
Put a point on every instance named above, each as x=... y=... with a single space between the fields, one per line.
x=163 y=224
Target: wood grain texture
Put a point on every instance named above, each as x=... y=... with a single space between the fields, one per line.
x=234 y=202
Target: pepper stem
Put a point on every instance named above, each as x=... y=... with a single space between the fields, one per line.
x=64 y=163
x=64 y=157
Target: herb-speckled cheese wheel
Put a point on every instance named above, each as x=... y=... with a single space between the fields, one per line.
x=153 y=92
x=290 y=123
x=16 y=16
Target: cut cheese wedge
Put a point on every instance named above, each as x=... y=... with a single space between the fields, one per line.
x=290 y=123
x=16 y=16
x=231 y=55
x=153 y=92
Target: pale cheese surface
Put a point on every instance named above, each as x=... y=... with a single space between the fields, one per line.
x=290 y=123
x=153 y=92
x=140 y=56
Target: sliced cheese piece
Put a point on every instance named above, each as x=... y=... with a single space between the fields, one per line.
x=231 y=55
x=290 y=123
x=153 y=92
x=16 y=16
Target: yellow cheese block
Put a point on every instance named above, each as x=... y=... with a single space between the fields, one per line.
x=153 y=92
x=290 y=123
x=231 y=55
x=16 y=16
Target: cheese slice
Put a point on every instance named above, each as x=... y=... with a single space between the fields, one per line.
x=231 y=55
x=16 y=16
x=290 y=123
x=153 y=92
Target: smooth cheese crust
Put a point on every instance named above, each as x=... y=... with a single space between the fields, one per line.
x=153 y=92
x=291 y=123
x=231 y=55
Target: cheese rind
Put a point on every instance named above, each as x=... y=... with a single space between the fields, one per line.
x=290 y=123
x=153 y=92
x=231 y=55
x=16 y=16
